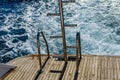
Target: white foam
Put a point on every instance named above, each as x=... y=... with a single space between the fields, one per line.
x=90 y=16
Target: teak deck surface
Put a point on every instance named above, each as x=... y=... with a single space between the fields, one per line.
x=90 y=68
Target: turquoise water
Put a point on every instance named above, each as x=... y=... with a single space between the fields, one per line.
x=97 y=20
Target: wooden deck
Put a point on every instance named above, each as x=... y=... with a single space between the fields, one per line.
x=90 y=68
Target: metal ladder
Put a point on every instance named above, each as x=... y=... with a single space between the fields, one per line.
x=65 y=56
x=63 y=25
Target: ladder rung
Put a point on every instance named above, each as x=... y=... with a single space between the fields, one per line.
x=71 y=1
x=70 y=25
x=55 y=36
x=71 y=46
x=53 y=14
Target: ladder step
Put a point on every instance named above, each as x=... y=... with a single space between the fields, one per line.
x=55 y=36
x=59 y=57
x=62 y=58
x=70 y=25
x=71 y=1
x=71 y=46
x=53 y=14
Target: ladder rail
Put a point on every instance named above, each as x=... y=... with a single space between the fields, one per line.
x=38 y=46
x=48 y=52
x=63 y=29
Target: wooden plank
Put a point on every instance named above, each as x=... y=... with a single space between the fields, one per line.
x=19 y=72
x=71 y=71
x=60 y=66
x=53 y=68
x=14 y=74
x=91 y=65
x=106 y=68
x=118 y=68
x=94 y=71
x=84 y=68
x=109 y=69
x=48 y=74
x=24 y=71
x=66 y=71
x=46 y=70
x=35 y=67
x=81 y=66
x=87 y=68
x=98 y=68
x=74 y=72
x=33 y=70
x=93 y=68
x=112 y=68
x=115 y=67
x=102 y=73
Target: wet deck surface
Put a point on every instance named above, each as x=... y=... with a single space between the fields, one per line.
x=90 y=68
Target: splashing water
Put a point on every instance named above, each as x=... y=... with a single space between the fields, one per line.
x=97 y=20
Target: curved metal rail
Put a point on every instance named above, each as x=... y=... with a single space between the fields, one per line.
x=38 y=46
x=39 y=53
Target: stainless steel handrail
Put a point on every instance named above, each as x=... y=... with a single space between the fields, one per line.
x=48 y=52
x=78 y=50
x=38 y=46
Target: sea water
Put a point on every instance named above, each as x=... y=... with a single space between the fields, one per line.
x=97 y=20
